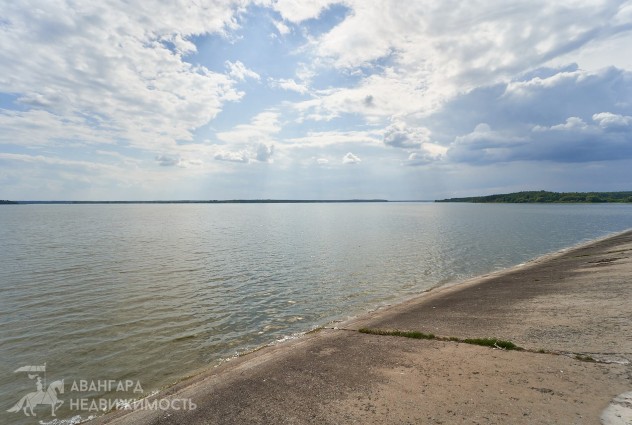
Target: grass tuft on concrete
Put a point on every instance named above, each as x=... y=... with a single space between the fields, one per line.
x=492 y=342
x=405 y=334
x=485 y=342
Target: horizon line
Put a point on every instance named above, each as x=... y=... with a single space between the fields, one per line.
x=212 y=201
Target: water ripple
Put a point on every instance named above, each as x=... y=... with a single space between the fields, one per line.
x=154 y=292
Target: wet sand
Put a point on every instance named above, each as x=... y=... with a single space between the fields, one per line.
x=571 y=312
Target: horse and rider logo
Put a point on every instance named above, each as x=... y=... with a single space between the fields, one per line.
x=43 y=395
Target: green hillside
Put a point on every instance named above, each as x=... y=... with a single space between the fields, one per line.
x=547 y=197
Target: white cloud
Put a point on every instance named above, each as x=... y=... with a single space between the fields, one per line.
x=41 y=128
x=281 y=27
x=240 y=156
x=417 y=55
x=350 y=158
x=481 y=132
x=555 y=115
x=400 y=135
x=474 y=40
x=534 y=86
x=330 y=138
x=572 y=123
x=467 y=84
x=181 y=44
x=484 y=145
x=249 y=154
x=377 y=97
x=297 y=11
x=114 y=69
x=261 y=128
x=238 y=71
x=255 y=141
x=608 y=120
x=42 y=159
x=289 y=84
x=419 y=158
x=434 y=150
x=427 y=153
x=571 y=141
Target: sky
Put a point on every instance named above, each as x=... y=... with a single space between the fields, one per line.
x=313 y=99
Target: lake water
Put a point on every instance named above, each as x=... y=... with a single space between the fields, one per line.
x=153 y=293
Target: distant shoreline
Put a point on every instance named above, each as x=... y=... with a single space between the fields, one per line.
x=527 y=197
x=230 y=201
x=544 y=197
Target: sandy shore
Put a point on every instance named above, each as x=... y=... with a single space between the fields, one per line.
x=571 y=312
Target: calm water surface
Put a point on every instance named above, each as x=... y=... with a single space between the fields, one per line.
x=155 y=292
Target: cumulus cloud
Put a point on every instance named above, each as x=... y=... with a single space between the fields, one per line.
x=470 y=42
x=560 y=115
x=350 y=158
x=572 y=123
x=250 y=142
x=442 y=75
x=250 y=154
x=241 y=156
x=238 y=71
x=484 y=145
x=553 y=95
x=610 y=121
x=571 y=141
x=376 y=97
x=421 y=54
x=472 y=84
x=126 y=77
x=289 y=84
x=426 y=154
x=400 y=135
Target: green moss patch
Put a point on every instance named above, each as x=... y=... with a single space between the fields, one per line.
x=485 y=342
x=492 y=342
x=405 y=334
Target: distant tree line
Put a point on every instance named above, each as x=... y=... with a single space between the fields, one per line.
x=5 y=202
x=547 y=197
x=231 y=201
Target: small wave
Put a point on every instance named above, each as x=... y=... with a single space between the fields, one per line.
x=287 y=338
x=185 y=337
